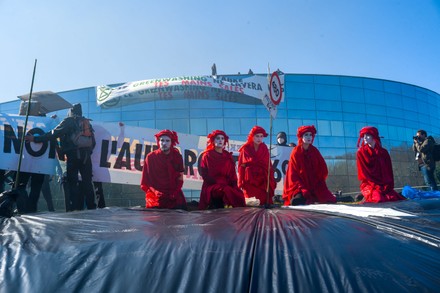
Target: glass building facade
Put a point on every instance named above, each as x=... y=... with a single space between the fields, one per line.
x=339 y=106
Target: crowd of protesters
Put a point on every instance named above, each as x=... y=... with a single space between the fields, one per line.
x=162 y=174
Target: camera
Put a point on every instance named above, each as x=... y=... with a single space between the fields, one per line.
x=415 y=137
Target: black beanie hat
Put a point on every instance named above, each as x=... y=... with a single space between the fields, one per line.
x=282 y=134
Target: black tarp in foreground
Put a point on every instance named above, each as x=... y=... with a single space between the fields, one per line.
x=228 y=250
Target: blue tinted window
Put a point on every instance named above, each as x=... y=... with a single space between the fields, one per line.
x=327 y=92
x=95 y=117
x=325 y=115
x=263 y=122
x=395 y=113
x=351 y=81
x=206 y=113
x=301 y=113
x=298 y=78
x=394 y=121
x=353 y=107
x=393 y=133
x=393 y=100
x=239 y=112
x=112 y=117
x=391 y=87
x=376 y=109
x=134 y=107
x=373 y=84
x=433 y=113
x=232 y=126
x=408 y=90
x=351 y=142
x=293 y=125
x=172 y=104
x=354 y=117
x=337 y=128
x=138 y=115
x=262 y=113
x=328 y=105
x=198 y=126
x=300 y=90
x=230 y=105
x=422 y=106
x=174 y=114
x=374 y=97
x=301 y=104
x=164 y=124
x=374 y=119
x=181 y=125
x=331 y=142
x=350 y=129
x=352 y=94
x=92 y=107
x=214 y=123
x=246 y=125
x=323 y=127
x=10 y=107
x=281 y=114
x=205 y=104
x=401 y=132
x=309 y=122
x=326 y=79
x=329 y=152
x=147 y=124
x=280 y=124
x=411 y=118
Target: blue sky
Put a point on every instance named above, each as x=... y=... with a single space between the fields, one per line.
x=86 y=43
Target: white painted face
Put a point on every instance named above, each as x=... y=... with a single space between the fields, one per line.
x=307 y=138
x=219 y=141
x=258 y=138
x=164 y=143
x=368 y=139
x=280 y=140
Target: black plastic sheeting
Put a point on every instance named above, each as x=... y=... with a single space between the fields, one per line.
x=227 y=250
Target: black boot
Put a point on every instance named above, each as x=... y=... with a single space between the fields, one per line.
x=297 y=200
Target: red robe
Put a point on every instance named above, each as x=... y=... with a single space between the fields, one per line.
x=219 y=180
x=376 y=174
x=252 y=173
x=160 y=180
x=306 y=173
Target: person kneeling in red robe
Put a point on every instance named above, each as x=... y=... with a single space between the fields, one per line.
x=162 y=174
x=253 y=168
x=374 y=168
x=306 y=172
x=217 y=167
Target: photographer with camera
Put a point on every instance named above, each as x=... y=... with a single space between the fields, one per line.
x=423 y=148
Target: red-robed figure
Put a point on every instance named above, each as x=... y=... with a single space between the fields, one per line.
x=306 y=172
x=374 y=168
x=253 y=167
x=162 y=174
x=217 y=167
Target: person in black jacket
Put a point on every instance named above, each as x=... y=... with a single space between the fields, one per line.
x=282 y=138
x=78 y=160
x=423 y=148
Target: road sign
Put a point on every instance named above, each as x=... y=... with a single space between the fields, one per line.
x=275 y=88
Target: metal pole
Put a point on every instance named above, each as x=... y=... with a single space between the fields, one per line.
x=17 y=177
x=267 y=205
x=269 y=165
